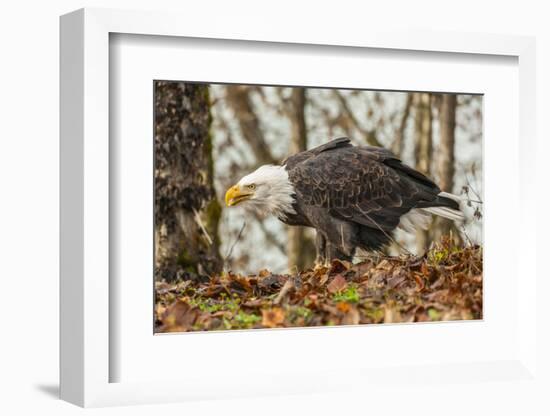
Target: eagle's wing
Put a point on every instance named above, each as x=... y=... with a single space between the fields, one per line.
x=339 y=143
x=361 y=185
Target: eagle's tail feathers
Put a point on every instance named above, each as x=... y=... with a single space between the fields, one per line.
x=445 y=212
x=451 y=196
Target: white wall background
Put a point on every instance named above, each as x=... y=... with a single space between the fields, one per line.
x=29 y=56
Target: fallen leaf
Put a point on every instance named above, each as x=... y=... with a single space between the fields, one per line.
x=419 y=282
x=384 y=265
x=339 y=266
x=343 y=306
x=330 y=309
x=351 y=317
x=391 y=314
x=439 y=282
x=160 y=309
x=179 y=317
x=272 y=318
x=264 y=273
x=398 y=277
x=337 y=284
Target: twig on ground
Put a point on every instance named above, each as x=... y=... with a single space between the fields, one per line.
x=269 y=236
x=234 y=243
x=466 y=235
x=289 y=284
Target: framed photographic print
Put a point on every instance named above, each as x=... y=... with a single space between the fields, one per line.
x=336 y=228
x=266 y=206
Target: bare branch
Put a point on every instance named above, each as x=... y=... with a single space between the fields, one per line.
x=237 y=96
x=370 y=136
x=228 y=256
x=270 y=237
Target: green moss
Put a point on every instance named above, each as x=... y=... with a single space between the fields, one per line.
x=376 y=314
x=244 y=319
x=208 y=146
x=299 y=312
x=186 y=260
x=213 y=214
x=302 y=311
x=212 y=305
x=434 y=314
x=241 y=320
x=438 y=256
x=227 y=324
x=213 y=209
x=350 y=294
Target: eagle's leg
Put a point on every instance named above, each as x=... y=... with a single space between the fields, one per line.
x=336 y=252
x=321 y=249
x=338 y=244
x=328 y=251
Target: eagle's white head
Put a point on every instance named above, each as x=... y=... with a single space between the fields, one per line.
x=267 y=190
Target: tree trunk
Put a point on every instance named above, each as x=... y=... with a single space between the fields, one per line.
x=186 y=209
x=446 y=156
x=423 y=151
x=300 y=248
x=423 y=132
x=238 y=98
x=397 y=145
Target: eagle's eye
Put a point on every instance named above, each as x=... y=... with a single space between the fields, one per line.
x=251 y=186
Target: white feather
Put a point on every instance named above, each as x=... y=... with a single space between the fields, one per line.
x=421 y=218
x=452 y=196
x=274 y=191
x=413 y=220
x=446 y=212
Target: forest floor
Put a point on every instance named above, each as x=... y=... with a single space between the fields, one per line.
x=445 y=284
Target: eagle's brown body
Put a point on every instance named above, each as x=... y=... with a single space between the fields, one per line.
x=356 y=196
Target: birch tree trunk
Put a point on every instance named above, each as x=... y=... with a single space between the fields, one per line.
x=397 y=145
x=423 y=151
x=186 y=209
x=446 y=157
x=446 y=154
x=300 y=248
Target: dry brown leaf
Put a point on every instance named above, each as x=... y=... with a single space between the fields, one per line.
x=339 y=266
x=351 y=317
x=322 y=279
x=384 y=265
x=160 y=309
x=398 y=277
x=337 y=284
x=391 y=314
x=272 y=318
x=343 y=306
x=264 y=273
x=179 y=317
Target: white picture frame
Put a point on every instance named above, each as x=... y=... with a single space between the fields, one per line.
x=86 y=356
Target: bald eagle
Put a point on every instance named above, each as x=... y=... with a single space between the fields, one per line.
x=354 y=196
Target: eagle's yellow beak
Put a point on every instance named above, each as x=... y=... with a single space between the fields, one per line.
x=234 y=195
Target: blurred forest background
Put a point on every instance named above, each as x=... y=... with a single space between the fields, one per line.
x=207 y=136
